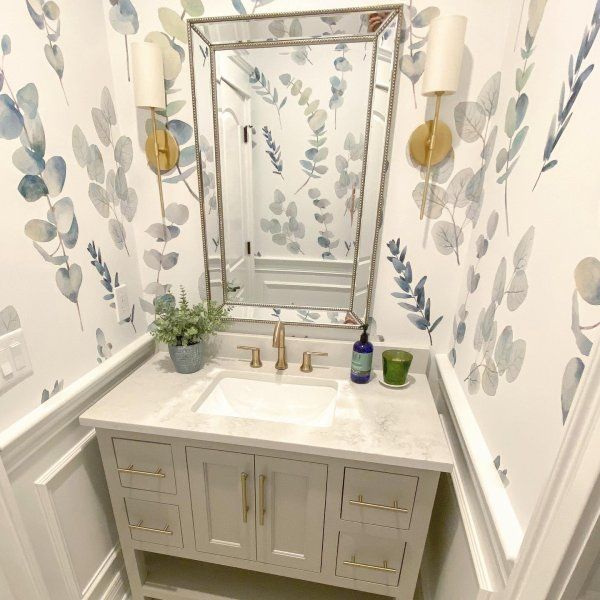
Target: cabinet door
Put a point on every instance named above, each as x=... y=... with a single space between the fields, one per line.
x=290 y=512
x=222 y=490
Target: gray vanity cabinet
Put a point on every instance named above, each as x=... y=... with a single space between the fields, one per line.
x=338 y=522
x=222 y=493
x=258 y=507
x=291 y=498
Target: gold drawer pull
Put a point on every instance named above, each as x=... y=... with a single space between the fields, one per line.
x=131 y=471
x=385 y=568
x=140 y=527
x=245 y=507
x=395 y=508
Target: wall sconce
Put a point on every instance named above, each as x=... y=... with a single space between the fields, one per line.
x=431 y=142
x=162 y=150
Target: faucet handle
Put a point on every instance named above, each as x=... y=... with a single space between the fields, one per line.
x=306 y=366
x=255 y=363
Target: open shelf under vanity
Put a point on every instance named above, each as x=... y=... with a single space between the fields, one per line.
x=173 y=578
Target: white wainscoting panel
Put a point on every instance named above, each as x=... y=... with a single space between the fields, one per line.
x=54 y=482
x=74 y=498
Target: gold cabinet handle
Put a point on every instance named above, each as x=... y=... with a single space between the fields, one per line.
x=140 y=527
x=261 y=499
x=245 y=507
x=131 y=471
x=385 y=568
x=361 y=502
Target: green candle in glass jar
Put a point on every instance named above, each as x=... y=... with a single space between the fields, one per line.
x=396 y=364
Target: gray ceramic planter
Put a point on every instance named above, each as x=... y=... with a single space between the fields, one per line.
x=187 y=359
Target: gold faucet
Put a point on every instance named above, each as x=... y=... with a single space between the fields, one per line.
x=279 y=343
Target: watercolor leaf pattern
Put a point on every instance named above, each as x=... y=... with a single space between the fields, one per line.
x=103 y=347
x=316 y=119
x=262 y=87
x=287 y=230
x=514 y=128
x=465 y=190
x=501 y=355
x=459 y=326
x=124 y=20
x=339 y=85
x=412 y=296
x=161 y=260
x=57 y=387
x=576 y=78
x=412 y=65
x=109 y=191
x=43 y=179
x=587 y=287
x=324 y=218
x=273 y=152
x=9 y=320
x=46 y=16
x=107 y=281
x=348 y=184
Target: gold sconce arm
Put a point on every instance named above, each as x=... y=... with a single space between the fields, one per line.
x=162 y=153
x=429 y=144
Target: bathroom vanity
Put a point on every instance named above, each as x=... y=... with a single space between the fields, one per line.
x=265 y=484
x=250 y=483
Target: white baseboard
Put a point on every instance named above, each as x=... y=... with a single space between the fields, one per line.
x=118 y=588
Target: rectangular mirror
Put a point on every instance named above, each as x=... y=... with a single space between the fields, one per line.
x=292 y=120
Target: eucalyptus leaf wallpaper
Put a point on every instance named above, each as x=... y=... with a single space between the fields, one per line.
x=503 y=275
x=65 y=245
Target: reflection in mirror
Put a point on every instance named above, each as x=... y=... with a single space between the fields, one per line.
x=292 y=127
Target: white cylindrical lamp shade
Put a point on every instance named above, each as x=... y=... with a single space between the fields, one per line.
x=148 y=75
x=445 y=46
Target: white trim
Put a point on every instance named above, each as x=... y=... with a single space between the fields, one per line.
x=569 y=507
x=18 y=558
x=19 y=441
x=112 y=560
x=311 y=266
x=118 y=588
x=61 y=550
x=490 y=577
x=496 y=513
x=301 y=285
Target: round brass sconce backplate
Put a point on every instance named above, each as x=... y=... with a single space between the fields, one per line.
x=419 y=143
x=168 y=150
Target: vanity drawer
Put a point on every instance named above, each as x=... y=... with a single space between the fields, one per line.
x=154 y=522
x=145 y=465
x=370 y=558
x=378 y=498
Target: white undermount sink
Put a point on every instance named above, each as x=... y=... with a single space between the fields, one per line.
x=271 y=397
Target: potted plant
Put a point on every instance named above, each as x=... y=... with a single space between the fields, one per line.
x=183 y=328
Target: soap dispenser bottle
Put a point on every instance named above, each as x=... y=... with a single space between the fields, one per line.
x=362 y=359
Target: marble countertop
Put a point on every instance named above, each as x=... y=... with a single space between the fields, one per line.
x=399 y=427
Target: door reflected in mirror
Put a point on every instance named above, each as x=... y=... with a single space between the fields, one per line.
x=292 y=125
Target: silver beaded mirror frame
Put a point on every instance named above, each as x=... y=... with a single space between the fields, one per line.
x=221 y=51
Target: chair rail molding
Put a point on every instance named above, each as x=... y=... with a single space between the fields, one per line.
x=493 y=532
x=568 y=509
x=19 y=441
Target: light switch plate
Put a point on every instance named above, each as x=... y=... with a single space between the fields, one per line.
x=122 y=303
x=15 y=364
